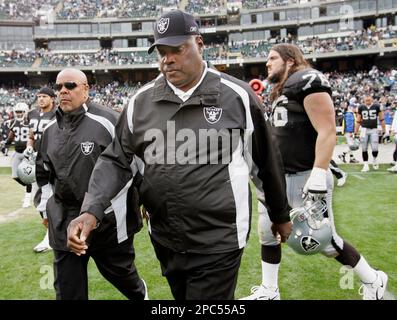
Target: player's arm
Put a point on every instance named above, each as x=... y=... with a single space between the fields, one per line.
x=382 y=121
x=359 y=119
x=321 y=112
x=10 y=137
x=343 y=125
x=44 y=177
x=30 y=142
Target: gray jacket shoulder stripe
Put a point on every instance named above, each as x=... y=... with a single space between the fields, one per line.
x=245 y=98
x=131 y=105
x=214 y=71
x=103 y=121
x=49 y=124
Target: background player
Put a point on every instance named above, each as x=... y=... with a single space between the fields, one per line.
x=367 y=117
x=19 y=133
x=38 y=120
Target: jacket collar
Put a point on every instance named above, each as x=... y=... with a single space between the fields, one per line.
x=207 y=93
x=71 y=119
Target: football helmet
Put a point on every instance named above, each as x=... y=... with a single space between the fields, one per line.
x=27 y=170
x=355 y=145
x=311 y=228
x=20 y=110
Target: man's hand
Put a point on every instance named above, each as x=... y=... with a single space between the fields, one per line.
x=78 y=231
x=45 y=222
x=283 y=230
x=316 y=186
x=28 y=151
x=384 y=137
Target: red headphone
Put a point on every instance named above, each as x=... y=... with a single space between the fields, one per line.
x=257 y=86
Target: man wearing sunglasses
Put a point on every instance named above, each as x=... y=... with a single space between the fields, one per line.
x=70 y=146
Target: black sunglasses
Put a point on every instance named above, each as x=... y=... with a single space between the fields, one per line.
x=70 y=85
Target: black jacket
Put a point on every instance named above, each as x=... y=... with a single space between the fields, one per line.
x=196 y=203
x=71 y=144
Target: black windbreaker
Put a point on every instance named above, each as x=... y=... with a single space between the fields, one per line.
x=198 y=198
x=70 y=146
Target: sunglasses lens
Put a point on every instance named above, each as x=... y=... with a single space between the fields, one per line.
x=68 y=85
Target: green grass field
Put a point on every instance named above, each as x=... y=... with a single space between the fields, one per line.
x=365 y=211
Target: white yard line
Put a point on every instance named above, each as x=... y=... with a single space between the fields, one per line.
x=358 y=177
x=370 y=172
x=12 y=215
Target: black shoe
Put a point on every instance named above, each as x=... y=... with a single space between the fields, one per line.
x=353 y=160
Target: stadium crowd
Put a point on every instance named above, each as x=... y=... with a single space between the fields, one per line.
x=348 y=89
x=371 y=37
x=85 y=9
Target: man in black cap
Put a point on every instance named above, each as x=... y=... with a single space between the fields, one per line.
x=38 y=119
x=195 y=135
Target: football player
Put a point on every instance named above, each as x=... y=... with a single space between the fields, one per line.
x=367 y=117
x=38 y=120
x=304 y=128
x=348 y=124
x=19 y=132
x=7 y=116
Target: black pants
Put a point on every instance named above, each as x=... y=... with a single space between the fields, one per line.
x=194 y=276
x=115 y=263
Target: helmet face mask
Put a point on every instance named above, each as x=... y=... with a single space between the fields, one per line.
x=311 y=228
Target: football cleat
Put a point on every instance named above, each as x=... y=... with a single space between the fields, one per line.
x=365 y=168
x=375 y=164
x=393 y=169
x=263 y=293
x=375 y=290
x=354 y=160
x=43 y=246
x=342 y=180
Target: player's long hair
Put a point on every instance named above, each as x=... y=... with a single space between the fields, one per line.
x=288 y=51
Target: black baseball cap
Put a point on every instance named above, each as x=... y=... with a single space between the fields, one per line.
x=47 y=91
x=174 y=28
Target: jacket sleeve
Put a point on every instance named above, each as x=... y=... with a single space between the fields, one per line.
x=267 y=167
x=112 y=170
